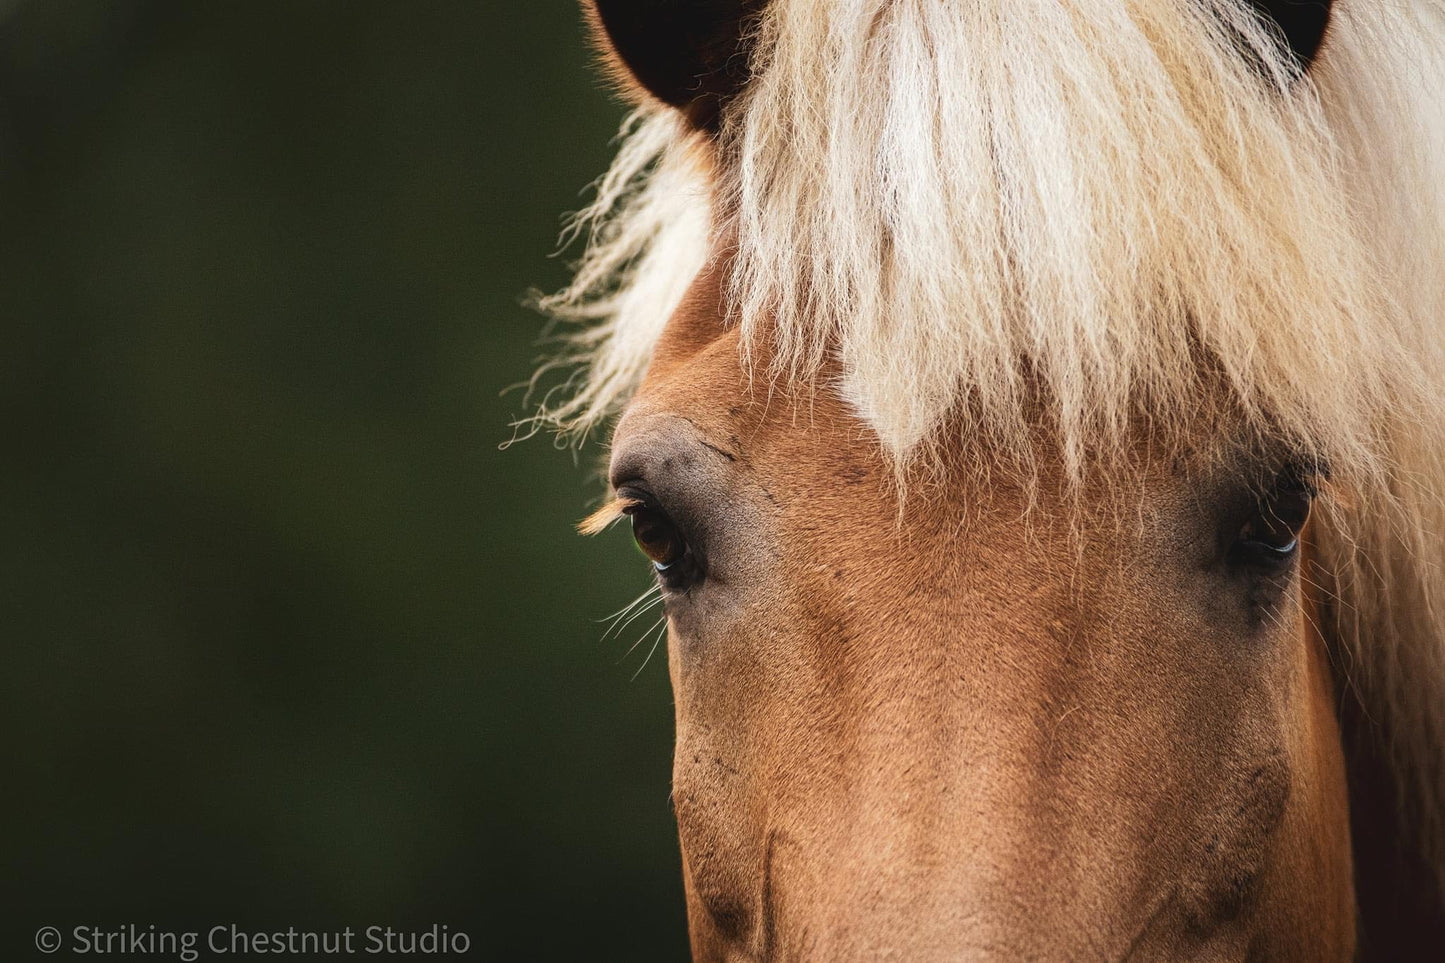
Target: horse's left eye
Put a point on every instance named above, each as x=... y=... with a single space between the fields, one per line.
x=657 y=536
x=662 y=541
x=1272 y=533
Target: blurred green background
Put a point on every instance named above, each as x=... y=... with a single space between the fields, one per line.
x=288 y=639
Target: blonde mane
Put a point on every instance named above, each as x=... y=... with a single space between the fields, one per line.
x=957 y=204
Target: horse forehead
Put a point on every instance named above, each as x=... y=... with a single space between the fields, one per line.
x=697 y=335
x=811 y=440
x=701 y=372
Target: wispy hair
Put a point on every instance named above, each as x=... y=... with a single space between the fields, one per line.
x=964 y=208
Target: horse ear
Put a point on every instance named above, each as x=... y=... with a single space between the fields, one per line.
x=1302 y=22
x=688 y=54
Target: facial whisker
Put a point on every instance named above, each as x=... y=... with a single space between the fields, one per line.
x=629 y=613
x=628 y=607
x=642 y=638
x=661 y=632
x=641 y=611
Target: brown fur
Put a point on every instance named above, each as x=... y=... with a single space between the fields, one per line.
x=956 y=736
x=1074 y=277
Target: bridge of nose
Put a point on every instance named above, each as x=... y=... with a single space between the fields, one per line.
x=993 y=818
x=968 y=839
x=926 y=712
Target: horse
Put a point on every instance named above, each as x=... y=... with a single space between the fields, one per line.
x=1031 y=412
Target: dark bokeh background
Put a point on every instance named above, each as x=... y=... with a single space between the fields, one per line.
x=288 y=640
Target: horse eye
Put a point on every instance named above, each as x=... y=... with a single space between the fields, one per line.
x=657 y=536
x=1272 y=532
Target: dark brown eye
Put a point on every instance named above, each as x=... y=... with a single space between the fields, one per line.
x=1272 y=533
x=657 y=536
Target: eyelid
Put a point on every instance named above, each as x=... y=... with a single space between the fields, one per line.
x=1307 y=476
x=632 y=499
x=1303 y=485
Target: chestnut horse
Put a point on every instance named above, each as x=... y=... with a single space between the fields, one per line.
x=1032 y=413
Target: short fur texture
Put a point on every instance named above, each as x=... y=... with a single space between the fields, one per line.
x=1102 y=204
